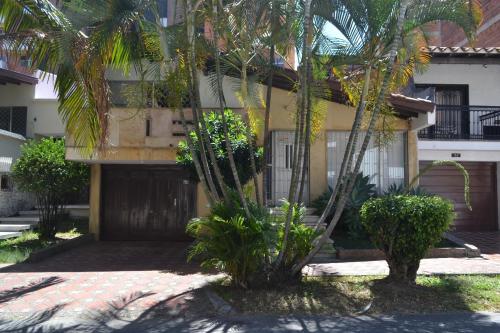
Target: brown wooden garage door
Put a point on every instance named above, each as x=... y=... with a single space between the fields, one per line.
x=448 y=182
x=146 y=202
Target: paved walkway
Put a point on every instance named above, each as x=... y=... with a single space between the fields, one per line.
x=427 y=266
x=136 y=276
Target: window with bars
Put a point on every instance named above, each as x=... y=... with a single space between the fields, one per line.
x=384 y=164
x=13 y=119
x=5 y=183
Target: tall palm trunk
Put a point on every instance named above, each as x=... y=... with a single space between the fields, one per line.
x=196 y=162
x=244 y=97
x=267 y=117
x=308 y=105
x=229 y=149
x=194 y=94
x=350 y=148
x=299 y=137
x=198 y=167
x=376 y=110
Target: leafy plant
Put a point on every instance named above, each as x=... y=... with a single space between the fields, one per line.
x=399 y=189
x=405 y=227
x=43 y=170
x=239 y=143
x=301 y=237
x=350 y=220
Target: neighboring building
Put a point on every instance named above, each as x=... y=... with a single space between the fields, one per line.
x=466 y=89
x=138 y=193
x=488 y=34
x=28 y=109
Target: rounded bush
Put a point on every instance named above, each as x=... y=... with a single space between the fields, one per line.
x=405 y=227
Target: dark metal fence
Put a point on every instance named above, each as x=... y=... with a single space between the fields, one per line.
x=464 y=123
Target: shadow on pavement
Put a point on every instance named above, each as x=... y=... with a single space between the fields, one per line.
x=168 y=257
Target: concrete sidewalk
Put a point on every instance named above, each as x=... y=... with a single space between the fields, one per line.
x=427 y=266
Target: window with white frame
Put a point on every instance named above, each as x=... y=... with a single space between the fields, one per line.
x=385 y=164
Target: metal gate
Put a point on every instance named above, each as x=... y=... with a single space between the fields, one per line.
x=282 y=160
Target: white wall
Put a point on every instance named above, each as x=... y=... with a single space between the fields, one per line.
x=483 y=80
x=41 y=101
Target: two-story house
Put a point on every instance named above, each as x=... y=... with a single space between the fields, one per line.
x=138 y=193
x=465 y=84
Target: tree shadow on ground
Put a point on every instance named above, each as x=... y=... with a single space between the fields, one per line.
x=191 y=312
x=8 y=295
x=34 y=323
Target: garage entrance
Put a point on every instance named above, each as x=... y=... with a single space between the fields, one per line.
x=146 y=203
x=448 y=182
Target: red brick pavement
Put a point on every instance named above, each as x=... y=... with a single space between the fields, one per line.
x=487 y=242
x=94 y=276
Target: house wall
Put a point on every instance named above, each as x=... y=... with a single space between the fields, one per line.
x=128 y=142
x=42 y=120
x=12 y=200
x=41 y=101
x=482 y=80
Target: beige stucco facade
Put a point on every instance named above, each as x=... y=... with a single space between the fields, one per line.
x=128 y=143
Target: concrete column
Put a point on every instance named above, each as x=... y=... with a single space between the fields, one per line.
x=412 y=152
x=318 y=167
x=95 y=200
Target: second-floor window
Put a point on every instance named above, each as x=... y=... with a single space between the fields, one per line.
x=13 y=119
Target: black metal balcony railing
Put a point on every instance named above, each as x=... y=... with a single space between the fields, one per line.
x=464 y=123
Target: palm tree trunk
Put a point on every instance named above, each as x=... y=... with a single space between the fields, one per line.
x=350 y=149
x=267 y=117
x=376 y=110
x=299 y=137
x=196 y=162
x=229 y=149
x=198 y=167
x=194 y=93
x=244 y=96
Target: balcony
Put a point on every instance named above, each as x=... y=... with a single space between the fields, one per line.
x=464 y=123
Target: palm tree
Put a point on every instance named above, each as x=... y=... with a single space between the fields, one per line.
x=380 y=28
x=110 y=33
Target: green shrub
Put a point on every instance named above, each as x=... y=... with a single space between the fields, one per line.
x=244 y=248
x=44 y=171
x=349 y=220
x=405 y=227
x=399 y=189
x=300 y=238
x=239 y=143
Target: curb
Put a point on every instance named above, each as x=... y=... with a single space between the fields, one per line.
x=471 y=251
x=221 y=306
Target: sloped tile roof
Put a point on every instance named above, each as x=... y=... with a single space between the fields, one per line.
x=463 y=51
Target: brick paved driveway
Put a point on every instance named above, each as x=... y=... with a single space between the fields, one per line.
x=136 y=275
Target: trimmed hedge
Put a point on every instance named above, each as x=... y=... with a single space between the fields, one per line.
x=405 y=227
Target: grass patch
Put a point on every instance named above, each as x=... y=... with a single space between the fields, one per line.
x=16 y=250
x=350 y=295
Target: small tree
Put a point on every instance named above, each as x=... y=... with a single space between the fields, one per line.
x=405 y=227
x=43 y=170
x=239 y=143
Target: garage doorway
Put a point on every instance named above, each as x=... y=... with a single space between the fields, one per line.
x=448 y=182
x=146 y=203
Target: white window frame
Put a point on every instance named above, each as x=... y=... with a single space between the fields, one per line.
x=386 y=166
